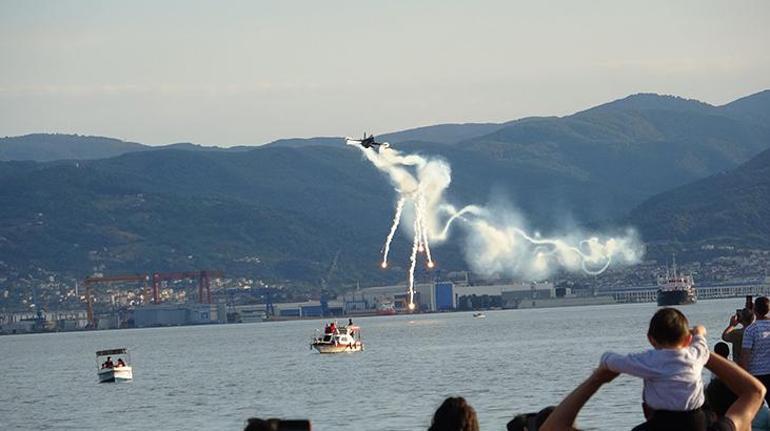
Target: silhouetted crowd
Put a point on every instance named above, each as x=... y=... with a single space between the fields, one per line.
x=674 y=396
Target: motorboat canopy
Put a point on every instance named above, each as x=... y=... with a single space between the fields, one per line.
x=122 y=351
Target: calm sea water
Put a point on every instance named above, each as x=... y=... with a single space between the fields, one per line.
x=214 y=377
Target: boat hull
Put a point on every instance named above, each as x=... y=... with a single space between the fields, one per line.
x=339 y=348
x=675 y=297
x=112 y=375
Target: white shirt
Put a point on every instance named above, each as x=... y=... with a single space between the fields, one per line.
x=672 y=377
x=757 y=338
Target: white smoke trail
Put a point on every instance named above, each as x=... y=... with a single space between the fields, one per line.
x=389 y=239
x=496 y=243
x=418 y=233
x=423 y=231
x=413 y=264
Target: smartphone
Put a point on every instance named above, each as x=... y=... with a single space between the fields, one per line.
x=749 y=302
x=738 y=313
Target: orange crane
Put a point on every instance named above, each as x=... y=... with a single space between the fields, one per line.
x=203 y=277
x=94 y=279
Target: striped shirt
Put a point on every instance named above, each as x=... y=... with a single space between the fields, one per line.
x=757 y=338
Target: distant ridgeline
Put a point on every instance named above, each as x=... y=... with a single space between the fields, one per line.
x=680 y=170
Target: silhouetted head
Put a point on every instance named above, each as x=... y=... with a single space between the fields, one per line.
x=746 y=317
x=761 y=306
x=722 y=349
x=272 y=424
x=256 y=424
x=669 y=328
x=455 y=414
x=529 y=421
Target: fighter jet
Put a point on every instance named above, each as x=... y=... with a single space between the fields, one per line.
x=368 y=141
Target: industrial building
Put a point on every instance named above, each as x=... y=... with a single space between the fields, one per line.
x=42 y=321
x=307 y=309
x=447 y=296
x=179 y=314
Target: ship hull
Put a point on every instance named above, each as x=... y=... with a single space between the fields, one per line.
x=675 y=297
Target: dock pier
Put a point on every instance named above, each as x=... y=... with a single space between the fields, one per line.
x=704 y=293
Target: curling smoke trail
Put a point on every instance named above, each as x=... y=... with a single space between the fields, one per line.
x=471 y=209
x=495 y=243
x=389 y=239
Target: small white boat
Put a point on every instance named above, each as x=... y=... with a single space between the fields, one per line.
x=479 y=315
x=338 y=339
x=118 y=370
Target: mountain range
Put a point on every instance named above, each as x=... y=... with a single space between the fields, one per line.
x=677 y=169
x=731 y=208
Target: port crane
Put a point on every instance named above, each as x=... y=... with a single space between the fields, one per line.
x=203 y=277
x=264 y=294
x=324 y=282
x=95 y=279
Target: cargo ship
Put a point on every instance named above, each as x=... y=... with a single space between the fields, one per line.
x=676 y=289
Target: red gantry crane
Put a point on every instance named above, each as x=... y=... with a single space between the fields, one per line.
x=203 y=277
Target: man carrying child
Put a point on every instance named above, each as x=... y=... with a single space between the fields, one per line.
x=673 y=386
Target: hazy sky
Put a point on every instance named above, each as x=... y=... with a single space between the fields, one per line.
x=234 y=73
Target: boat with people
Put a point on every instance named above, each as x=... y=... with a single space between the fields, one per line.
x=118 y=370
x=676 y=289
x=338 y=339
x=479 y=315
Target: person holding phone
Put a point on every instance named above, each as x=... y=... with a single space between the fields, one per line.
x=733 y=334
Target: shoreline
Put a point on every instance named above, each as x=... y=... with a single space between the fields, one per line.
x=356 y=315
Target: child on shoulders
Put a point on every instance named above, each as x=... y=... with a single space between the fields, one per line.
x=672 y=372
